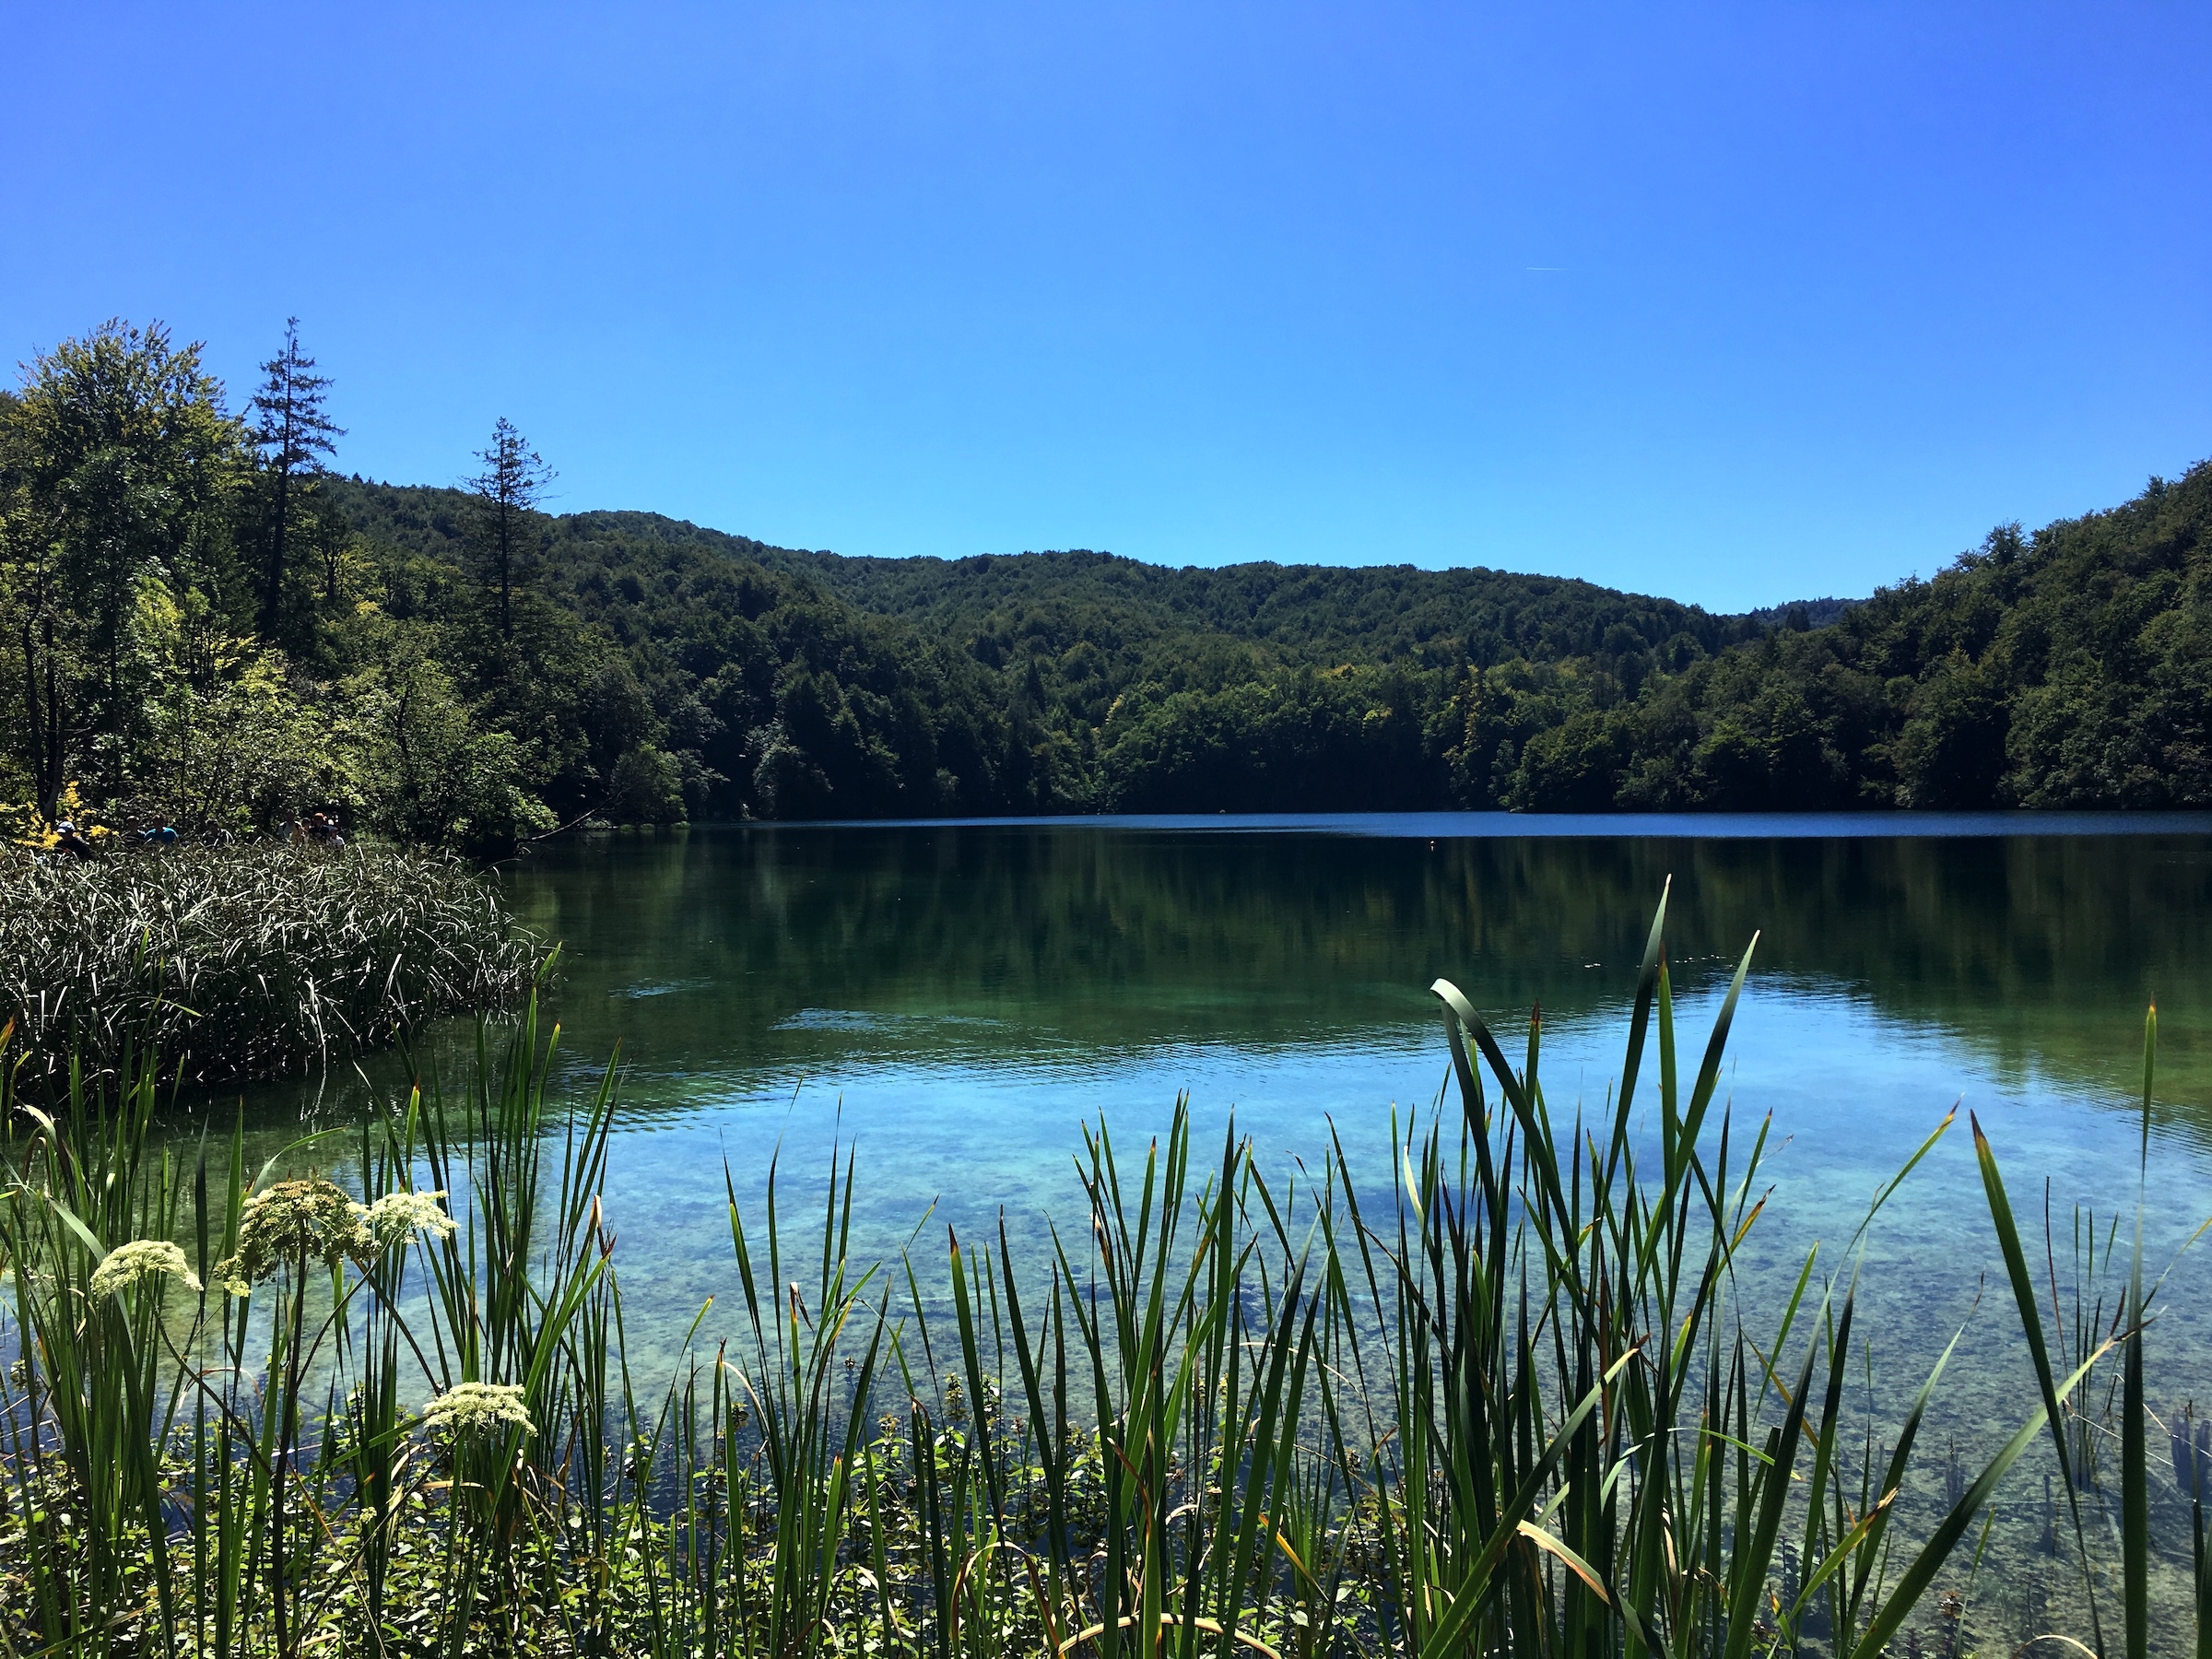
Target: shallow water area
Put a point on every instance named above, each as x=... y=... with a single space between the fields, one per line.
x=954 y=1002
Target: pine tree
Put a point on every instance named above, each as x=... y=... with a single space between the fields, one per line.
x=512 y=484
x=293 y=434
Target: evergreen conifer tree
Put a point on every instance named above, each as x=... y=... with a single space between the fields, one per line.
x=511 y=485
x=294 y=434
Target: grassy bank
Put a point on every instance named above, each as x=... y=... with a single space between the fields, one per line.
x=1519 y=1403
x=237 y=962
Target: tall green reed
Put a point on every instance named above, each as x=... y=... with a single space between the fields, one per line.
x=242 y=961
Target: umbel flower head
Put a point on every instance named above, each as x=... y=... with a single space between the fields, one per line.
x=478 y=1411
x=397 y=1217
x=297 y=1220
x=291 y=1221
x=141 y=1259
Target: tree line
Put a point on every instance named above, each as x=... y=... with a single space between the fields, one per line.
x=202 y=623
x=192 y=632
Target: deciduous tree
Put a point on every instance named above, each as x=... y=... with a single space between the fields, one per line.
x=120 y=465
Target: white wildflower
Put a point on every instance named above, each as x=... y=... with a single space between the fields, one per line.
x=478 y=1411
x=396 y=1217
x=133 y=1264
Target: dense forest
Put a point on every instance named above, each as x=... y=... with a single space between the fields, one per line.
x=202 y=623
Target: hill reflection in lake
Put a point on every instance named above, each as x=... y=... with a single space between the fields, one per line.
x=746 y=952
x=958 y=1001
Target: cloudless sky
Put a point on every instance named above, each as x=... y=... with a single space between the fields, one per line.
x=1733 y=303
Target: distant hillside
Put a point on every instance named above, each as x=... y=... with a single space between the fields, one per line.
x=2065 y=667
x=1318 y=614
x=200 y=627
x=1062 y=671
x=2068 y=667
x=1321 y=614
x=752 y=691
x=1801 y=614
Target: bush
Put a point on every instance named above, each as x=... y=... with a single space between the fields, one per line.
x=647 y=788
x=435 y=775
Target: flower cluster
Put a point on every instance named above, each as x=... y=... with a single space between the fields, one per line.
x=291 y=1221
x=478 y=1411
x=299 y=1221
x=395 y=1217
x=130 y=1264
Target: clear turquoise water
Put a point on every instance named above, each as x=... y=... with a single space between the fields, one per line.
x=957 y=1001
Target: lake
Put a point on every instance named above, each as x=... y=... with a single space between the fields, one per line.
x=955 y=1001
x=951 y=1003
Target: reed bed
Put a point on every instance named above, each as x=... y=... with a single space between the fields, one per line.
x=248 y=961
x=1516 y=1404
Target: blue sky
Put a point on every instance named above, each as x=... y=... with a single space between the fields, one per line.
x=1737 y=304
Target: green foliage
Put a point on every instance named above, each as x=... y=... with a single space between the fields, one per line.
x=1347 y=740
x=748 y=688
x=230 y=745
x=455 y=667
x=291 y=435
x=797 y=684
x=2063 y=668
x=1003 y=607
x=120 y=472
x=507 y=491
x=192 y=633
x=430 y=773
x=647 y=787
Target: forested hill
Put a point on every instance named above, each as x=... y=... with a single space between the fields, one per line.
x=1319 y=614
x=999 y=605
x=791 y=683
x=201 y=625
x=2071 y=667
x=2065 y=667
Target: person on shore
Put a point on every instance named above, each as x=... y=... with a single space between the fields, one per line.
x=70 y=841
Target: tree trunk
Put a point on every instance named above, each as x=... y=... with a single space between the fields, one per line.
x=44 y=733
x=272 y=588
x=50 y=783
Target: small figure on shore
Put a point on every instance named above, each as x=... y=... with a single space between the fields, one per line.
x=163 y=836
x=69 y=840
